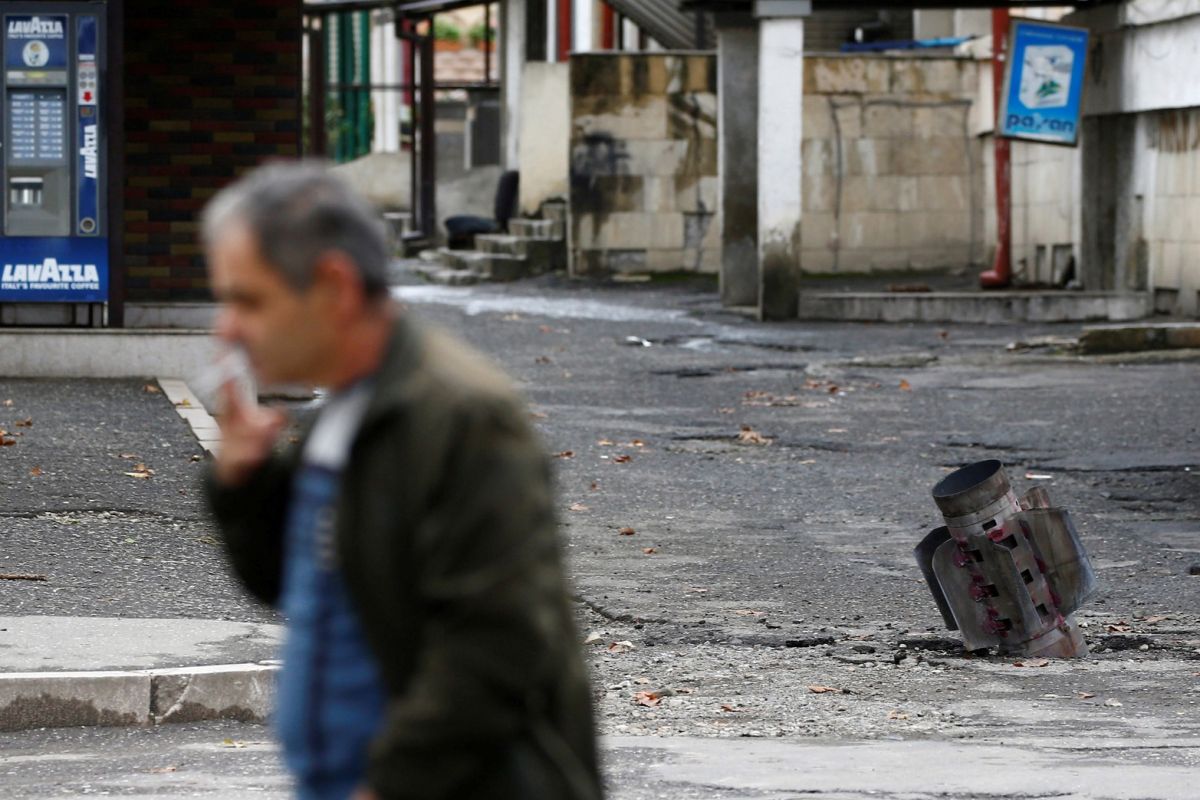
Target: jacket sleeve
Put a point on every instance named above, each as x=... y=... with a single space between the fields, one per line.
x=492 y=600
x=251 y=519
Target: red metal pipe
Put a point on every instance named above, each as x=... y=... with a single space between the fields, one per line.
x=608 y=27
x=564 y=29
x=1000 y=275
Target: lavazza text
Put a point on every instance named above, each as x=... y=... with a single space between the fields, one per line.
x=50 y=275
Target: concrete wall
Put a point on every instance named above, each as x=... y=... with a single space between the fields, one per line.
x=545 y=131
x=643 y=163
x=1046 y=208
x=1172 y=211
x=892 y=175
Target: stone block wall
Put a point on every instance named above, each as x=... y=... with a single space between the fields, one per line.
x=212 y=89
x=643 y=163
x=891 y=170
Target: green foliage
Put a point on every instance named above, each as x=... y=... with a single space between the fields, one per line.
x=446 y=31
x=480 y=33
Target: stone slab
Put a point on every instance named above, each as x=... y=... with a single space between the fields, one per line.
x=973 y=307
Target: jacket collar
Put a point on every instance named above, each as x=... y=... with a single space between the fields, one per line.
x=396 y=377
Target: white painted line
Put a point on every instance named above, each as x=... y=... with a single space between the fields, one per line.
x=189 y=408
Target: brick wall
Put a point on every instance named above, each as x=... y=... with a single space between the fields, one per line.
x=643 y=171
x=212 y=89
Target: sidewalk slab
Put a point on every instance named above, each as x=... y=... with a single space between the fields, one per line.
x=72 y=644
x=983 y=308
x=70 y=671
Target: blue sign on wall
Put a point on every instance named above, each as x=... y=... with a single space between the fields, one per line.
x=35 y=41
x=1043 y=83
x=54 y=269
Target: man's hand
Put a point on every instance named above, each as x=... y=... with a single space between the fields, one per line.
x=248 y=433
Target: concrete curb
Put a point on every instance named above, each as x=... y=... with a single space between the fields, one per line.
x=244 y=692
x=1099 y=339
x=189 y=407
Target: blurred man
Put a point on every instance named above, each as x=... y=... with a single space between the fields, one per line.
x=409 y=538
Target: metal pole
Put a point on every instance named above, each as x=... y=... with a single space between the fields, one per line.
x=413 y=146
x=1000 y=275
x=317 y=140
x=114 y=90
x=428 y=140
x=487 y=42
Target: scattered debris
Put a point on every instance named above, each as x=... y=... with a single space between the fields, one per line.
x=649 y=550
x=897 y=715
x=905 y=386
x=36 y=472
x=622 y=459
x=620 y=647
x=626 y=532
x=748 y=435
x=150 y=388
x=141 y=471
x=25 y=423
x=592 y=638
x=565 y=454
x=1032 y=662
x=578 y=507
x=825 y=690
x=648 y=699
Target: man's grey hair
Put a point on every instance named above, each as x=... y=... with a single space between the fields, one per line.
x=297 y=211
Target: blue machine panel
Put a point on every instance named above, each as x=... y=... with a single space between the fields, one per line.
x=54 y=269
x=87 y=171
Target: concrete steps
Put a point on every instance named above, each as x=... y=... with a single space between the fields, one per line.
x=532 y=247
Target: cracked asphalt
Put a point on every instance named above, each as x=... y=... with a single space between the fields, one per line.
x=775 y=479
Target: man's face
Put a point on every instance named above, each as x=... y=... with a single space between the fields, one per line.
x=282 y=331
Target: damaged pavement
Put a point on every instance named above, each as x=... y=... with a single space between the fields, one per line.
x=740 y=504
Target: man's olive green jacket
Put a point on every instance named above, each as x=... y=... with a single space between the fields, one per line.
x=447 y=541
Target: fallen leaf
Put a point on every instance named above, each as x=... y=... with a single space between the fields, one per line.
x=1119 y=627
x=620 y=647
x=605 y=442
x=1085 y=695
x=728 y=707
x=648 y=699
x=637 y=443
x=627 y=532
x=725 y=410
x=542 y=360
x=150 y=388
x=21 y=576
x=622 y=459
x=1157 y=618
x=185 y=403
x=536 y=415
x=595 y=486
x=592 y=638
x=129 y=456
x=36 y=472
x=162 y=770
x=565 y=454
x=696 y=590
x=578 y=507
x=746 y=612
x=1113 y=703
x=25 y=423
x=943 y=334
x=649 y=550
x=232 y=743
x=513 y=317
x=6 y=442
x=8 y=403
x=1032 y=662
x=748 y=435
x=905 y=386
x=140 y=471
x=836 y=430
x=824 y=689
x=897 y=715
